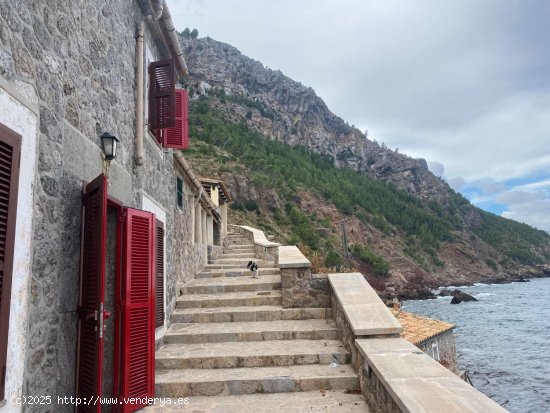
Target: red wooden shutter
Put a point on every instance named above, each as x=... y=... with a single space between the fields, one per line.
x=138 y=340
x=178 y=136
x=159 y=274
x=162 y=96
x=10 y=147
x=92 y=295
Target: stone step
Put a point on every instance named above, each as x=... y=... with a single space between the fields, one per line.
x=329 y=401
x=242 y=255
x=238 y=241
x=248 y=380
x=232 y=284
x=253 y=313
x=251 y=331
x=251 y=354
x=249 y=250
x=242 y=261
x=240 y=247
x=247 y=298
x=233 y=266
x=228 y=273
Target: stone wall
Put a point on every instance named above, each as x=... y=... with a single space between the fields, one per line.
x=301 y=288
x=443 y=349
x=345 y=332
x=79 y=57
x=263 y=248
x=377 y=397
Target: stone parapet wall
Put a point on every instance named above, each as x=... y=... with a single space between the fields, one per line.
x=301 y=288
x=395 y=376
x=377 y=397
x=345 y=332
x=263 y=248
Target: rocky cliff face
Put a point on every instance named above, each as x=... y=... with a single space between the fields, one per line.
x=297 y=116
x=243 y=90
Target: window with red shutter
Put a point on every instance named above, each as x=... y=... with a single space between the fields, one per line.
x=162 y=94
x=138 y=338
x=159 y=274
x=10 y=147
x=178 y=136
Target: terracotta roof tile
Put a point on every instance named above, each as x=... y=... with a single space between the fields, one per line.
x=417 y=329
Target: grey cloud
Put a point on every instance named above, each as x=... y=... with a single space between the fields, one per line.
x=436 y=168
x=488 y=187
x=520 y=197
x=533 y=213
x=457 y=183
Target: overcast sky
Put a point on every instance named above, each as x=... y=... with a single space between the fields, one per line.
x=464 y=84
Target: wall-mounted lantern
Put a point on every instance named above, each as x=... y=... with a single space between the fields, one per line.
x=109 y=144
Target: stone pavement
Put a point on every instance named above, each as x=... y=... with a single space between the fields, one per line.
x=231 y=346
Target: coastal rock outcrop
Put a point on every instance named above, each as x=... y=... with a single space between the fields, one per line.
x=460 y=296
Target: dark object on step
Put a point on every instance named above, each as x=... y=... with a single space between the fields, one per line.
x=252 y=266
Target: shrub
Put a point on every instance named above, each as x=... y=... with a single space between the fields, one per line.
x=333 y=259
x=379 y=265
x=237 y=206
x=251 y=205
x=491 y=263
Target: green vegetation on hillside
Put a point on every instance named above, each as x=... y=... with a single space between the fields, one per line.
x=423 y=224
x=513 y=238
x=287 y=168
x=379 y=265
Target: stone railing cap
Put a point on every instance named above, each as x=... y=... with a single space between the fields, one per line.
x=364 y=310
x=418 y=383
x=291 y=257
x=259 y=237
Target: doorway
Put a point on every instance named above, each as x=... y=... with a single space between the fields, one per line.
x=115 y=354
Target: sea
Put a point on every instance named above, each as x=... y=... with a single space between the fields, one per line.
x=503 y=340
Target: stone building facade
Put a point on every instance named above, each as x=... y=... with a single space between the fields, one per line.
x=68 y=74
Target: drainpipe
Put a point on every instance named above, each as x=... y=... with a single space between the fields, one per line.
x=171 y=38
x=157 y=6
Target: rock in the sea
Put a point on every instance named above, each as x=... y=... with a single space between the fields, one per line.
x=415 y=294
x=523 y=280
x=445 y=293
x=459 y=296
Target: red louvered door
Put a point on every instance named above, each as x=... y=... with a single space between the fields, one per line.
x=138 y=308
x=10 y=147
x=92 y=295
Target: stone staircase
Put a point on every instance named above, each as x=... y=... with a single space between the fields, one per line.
x=231 y=346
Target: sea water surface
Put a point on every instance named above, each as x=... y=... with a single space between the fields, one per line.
x=503 y=340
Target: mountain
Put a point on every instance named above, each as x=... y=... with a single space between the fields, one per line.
x=299 y=172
